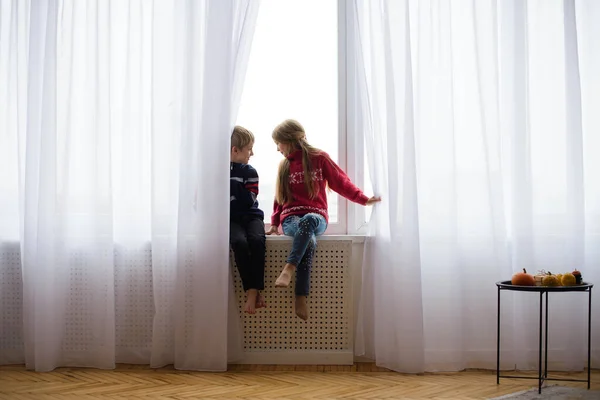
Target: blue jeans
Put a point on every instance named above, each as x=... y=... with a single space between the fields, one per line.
x=304 y=229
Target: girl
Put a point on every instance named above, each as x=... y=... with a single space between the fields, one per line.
x=301 y=204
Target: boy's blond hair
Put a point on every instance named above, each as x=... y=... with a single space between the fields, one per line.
x=241 y=137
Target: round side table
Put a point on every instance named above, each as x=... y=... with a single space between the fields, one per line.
x=543 y=291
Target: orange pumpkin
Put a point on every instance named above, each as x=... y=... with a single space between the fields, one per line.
x=523 y=279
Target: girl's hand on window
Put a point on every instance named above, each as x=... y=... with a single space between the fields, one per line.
x=373 y=200
x=273 y=230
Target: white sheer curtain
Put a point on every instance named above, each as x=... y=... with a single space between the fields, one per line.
x=482 y=129
x=116 y=118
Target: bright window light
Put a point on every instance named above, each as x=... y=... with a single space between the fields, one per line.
x=292 y=73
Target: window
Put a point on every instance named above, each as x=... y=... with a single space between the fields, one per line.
x=297 y=69
x=294 y=71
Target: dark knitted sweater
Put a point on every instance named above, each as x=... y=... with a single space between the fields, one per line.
x=243 y=190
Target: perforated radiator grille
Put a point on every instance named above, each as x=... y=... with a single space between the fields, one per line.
x=11 y=304
x=277 y=328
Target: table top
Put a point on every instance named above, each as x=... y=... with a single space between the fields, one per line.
x=583 y=287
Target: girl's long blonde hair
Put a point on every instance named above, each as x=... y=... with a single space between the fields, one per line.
x=291 y=132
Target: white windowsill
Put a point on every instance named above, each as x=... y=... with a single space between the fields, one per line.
x=354 y=238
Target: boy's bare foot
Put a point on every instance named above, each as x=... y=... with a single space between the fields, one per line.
x=301 y=307
x=251 y=298
x=286 y=276
x=260 y=301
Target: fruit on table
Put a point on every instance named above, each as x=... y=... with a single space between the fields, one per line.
x=550 y=280
x=523 y=279
x=559 y=277
x=568 y=279
x=538 y=279
x=577 y=275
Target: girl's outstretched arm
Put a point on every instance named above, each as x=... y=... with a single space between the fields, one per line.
x=341 y=183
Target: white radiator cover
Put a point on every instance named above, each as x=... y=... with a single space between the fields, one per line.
x=275 y=335
x=12 y=350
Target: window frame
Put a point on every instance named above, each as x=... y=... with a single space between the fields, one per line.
x=352 y=139
x=351 y=216
x=342 y=225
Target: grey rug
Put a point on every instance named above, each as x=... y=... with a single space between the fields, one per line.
x=554 y=393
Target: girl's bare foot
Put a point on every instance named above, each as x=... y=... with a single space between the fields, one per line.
x=286 y=276
x=260 y=301
x=301 y=307
x=251 y=298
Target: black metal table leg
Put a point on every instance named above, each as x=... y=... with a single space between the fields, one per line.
x=546 y=342
x=498 y=342
x=540 y=346
x=589 y=366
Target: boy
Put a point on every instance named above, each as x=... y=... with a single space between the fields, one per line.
x=246 y=226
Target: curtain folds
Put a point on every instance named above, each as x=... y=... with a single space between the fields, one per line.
x=480 y=132
x=116 y=111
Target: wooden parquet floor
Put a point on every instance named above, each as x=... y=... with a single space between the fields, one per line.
x=361 y=381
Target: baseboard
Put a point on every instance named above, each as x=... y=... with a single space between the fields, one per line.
x=298 y=357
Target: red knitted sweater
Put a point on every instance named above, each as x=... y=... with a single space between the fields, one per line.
x=325 y=171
